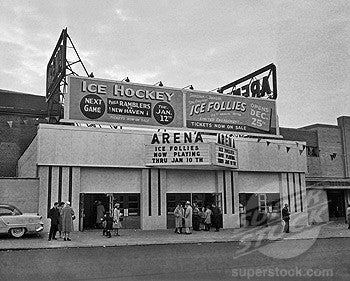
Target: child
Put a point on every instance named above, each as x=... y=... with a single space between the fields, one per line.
x=108 y=224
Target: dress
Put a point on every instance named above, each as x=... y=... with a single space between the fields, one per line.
x=116 y=218
x=67 y=220
x=179 y=214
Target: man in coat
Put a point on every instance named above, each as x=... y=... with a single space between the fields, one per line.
x=54 y=216
x=188 y=218
x=216 y=217
x=100 y=211
x=285 y=218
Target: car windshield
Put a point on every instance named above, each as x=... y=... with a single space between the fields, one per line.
x=9 y=210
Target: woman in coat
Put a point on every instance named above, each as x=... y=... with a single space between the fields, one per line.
x=188 y=218
x=207 y=220
x=179 y=214
x=117 y=216
x=67 y=221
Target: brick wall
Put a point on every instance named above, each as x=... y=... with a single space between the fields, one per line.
x=330 y=143
x=16 y=133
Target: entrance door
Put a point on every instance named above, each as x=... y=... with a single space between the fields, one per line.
x=171 y=200
x=253 y=209
x=336 y=204
x=89 y=208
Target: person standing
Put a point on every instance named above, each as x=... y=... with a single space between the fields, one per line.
x=285 y=218
x=109 y=224
x=188 y=218
x=100 y=210
x=216 y=217
x=196 y=217
x=54 y=216
x=202 y=218
x=117 y=217
x=60 y=206
x=67 y=221
x=207 y=220
x=348 y=215
x=179 y=214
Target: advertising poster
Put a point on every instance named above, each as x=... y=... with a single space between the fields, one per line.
x=90 y=99
x=229 y=113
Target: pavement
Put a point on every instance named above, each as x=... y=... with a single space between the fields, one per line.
x=94 y=238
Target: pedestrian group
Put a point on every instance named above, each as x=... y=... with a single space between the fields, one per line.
x=196 y=218
x=62 y=216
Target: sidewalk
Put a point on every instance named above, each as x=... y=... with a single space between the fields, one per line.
x=94 y=238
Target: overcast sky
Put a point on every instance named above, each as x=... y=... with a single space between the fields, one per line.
x=204 y=43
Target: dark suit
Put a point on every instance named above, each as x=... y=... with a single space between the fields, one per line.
x=286 y=218
x=54 y=216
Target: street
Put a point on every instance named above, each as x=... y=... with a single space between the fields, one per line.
x=202 y=261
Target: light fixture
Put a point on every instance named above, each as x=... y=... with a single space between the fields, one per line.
x=159 y=83
x=216 y=89
x=126 y=79
x=91 y=75
x=188 y=86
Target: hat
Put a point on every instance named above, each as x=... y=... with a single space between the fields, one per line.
x=68 y=203
x=188 y=203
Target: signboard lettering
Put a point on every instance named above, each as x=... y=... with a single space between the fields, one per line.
x=122 y=102
x=229 y=113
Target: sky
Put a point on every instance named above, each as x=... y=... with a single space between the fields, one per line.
x=204 y=43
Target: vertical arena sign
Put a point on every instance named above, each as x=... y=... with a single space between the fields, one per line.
x=230 y=113
x=122 y=102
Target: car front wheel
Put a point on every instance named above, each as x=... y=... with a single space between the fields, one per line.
x=17 y=232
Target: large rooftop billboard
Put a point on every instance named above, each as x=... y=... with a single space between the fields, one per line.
x=125 y=103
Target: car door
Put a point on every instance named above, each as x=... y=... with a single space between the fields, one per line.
x=4 y=213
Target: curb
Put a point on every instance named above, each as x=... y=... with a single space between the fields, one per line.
x=165 y=243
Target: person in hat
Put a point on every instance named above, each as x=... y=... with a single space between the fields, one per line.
x=188 y=218
x=67 y=221
x=179 y=215
x=117 y=218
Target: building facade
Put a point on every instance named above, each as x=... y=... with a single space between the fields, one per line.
x=89 y=164
x=20 y=114
x=327 y=177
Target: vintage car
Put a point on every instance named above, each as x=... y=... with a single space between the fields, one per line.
x=14 y=222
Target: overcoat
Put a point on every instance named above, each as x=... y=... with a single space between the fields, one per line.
x=67 y=220
x=179 y=214
x=208 y=213
x=188 y=216
x=54 y=216
x=116 y=218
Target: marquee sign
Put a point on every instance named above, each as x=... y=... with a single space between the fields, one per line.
x=187 y=149
x=122 y=102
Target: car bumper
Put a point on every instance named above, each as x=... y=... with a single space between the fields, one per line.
x=39 y=228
